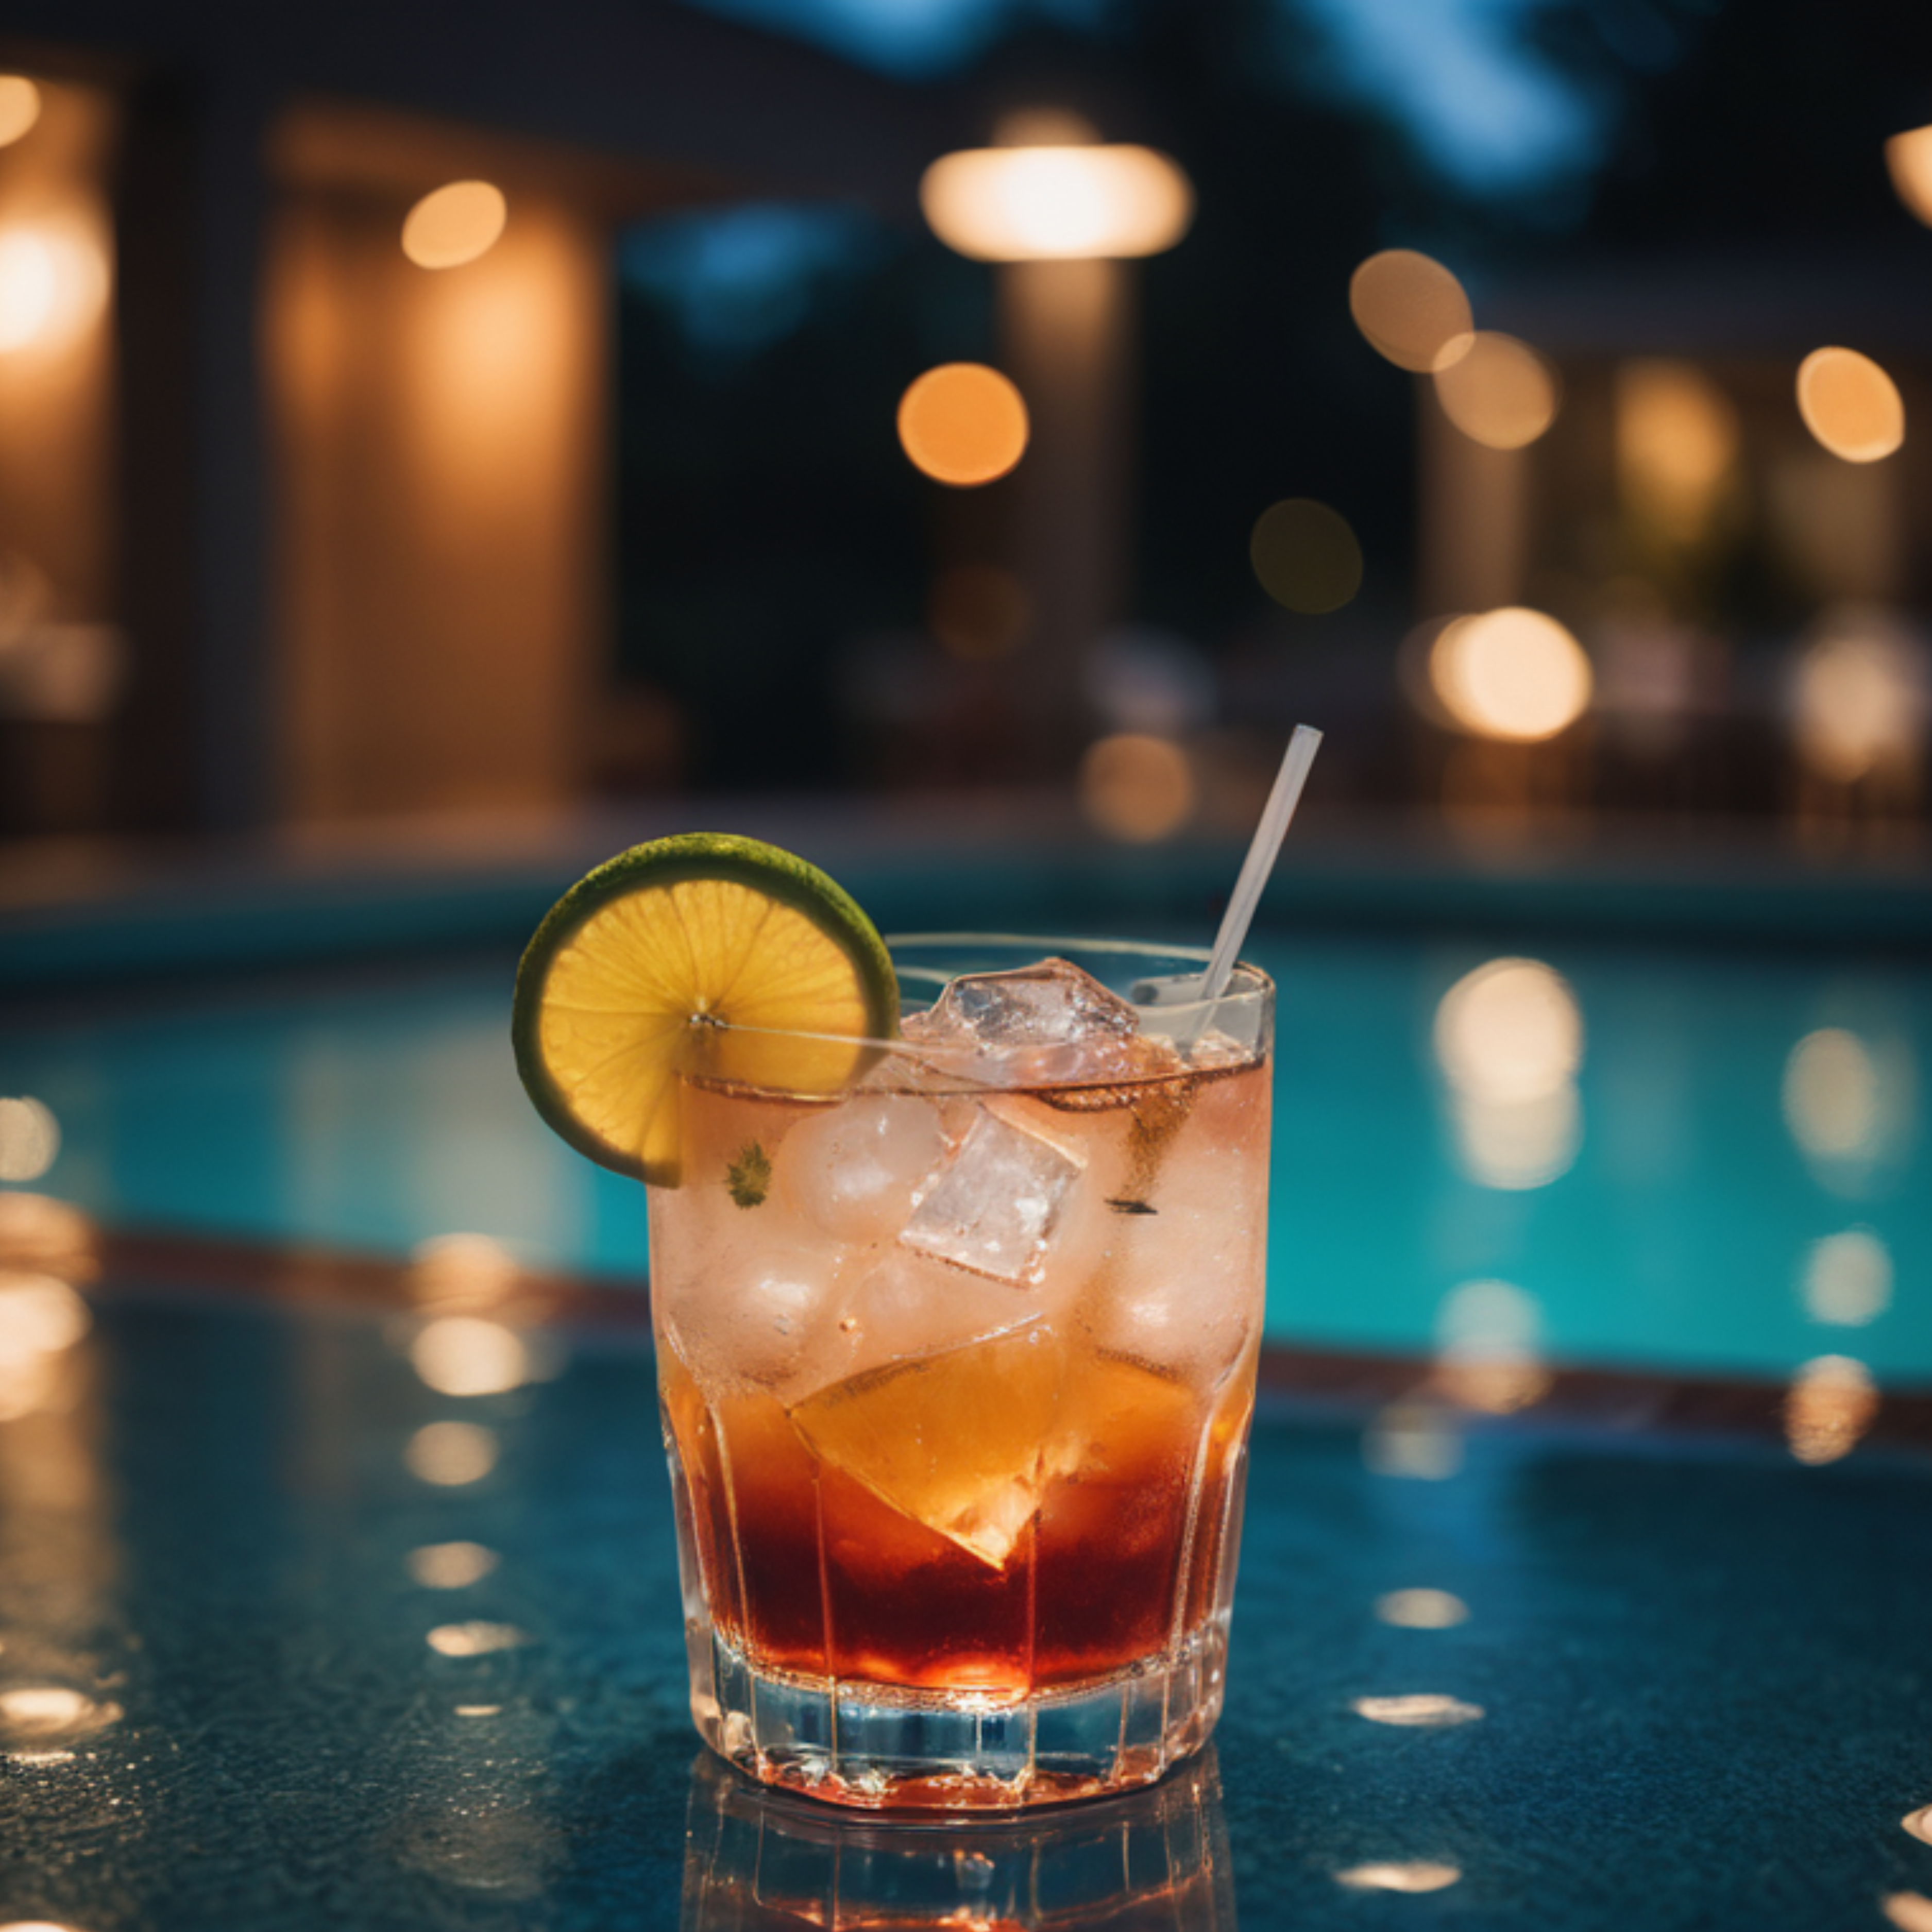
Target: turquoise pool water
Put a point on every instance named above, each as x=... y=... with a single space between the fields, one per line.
x=1607 y=1154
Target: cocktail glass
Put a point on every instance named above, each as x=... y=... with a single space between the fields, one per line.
x=957 y=1364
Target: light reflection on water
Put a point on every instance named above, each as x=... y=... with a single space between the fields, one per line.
x=1655 y=1149
x=1509 y=1039
x=1831 y=1403
x=1421 y=1609
x=1415 y=1875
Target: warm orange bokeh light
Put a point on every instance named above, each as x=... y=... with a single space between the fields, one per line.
x=19 y=107
x=1908 y=158
x=1850 y=404
x=1498 y=392
x=1677 y=442
x=1831 y=1403
x=1860 y=697
x=1136 y=788
x=1411 y=309
x=54 y=279
x=1057 y=202
x=450 y=1454
x=1306 y=556
x=963 y=423
x=1513 y=673
x=454 y=225
x=1910 y=1911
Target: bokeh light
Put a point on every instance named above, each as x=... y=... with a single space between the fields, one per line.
x=450 y=1566
x=54 y=278
x=1415 y=1438
x=1424 y=1710
x=1849 y=1103
x=19 y=107
x=1831 y=1403
x=963 y=423
x=1489 y=1353
x=1498 y=392
x=28 y=287
x=979 y=610
x=1057 y=202
x=1677 y=442
x=1516 y=1145
x=450 y=1454
x=1306 y=556
x=1509 y=1040
x=1412 y=1875
x=40 y=1318
x=30 y=1138
x=1908 y=160
x=1847 y=1278
x=1513 y=673
x=462 y=1270
x=1411 y=309
x=43 y=1235
x=463 y=1355
x=1850 y=405
x=34 y=1717
x=475 y=1639
x=1509 y=1031
x=1860 y=697
x=1421 y=1609
x=1910 y=1911
x=1136 y=787
x=454 y=224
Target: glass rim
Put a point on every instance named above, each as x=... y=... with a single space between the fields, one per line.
x=1247 y=983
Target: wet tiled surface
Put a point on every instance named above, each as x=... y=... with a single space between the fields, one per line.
x=342 y=1615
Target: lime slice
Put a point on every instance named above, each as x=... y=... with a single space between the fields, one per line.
x=656 y=963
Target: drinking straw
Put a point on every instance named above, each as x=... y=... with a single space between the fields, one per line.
x=1256 y=867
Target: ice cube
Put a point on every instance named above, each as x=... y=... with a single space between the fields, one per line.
x=992 y=1207
x=1054 y=1004
x=853 y=1170
x=748 y=1314
x=1040 y=1025
x=953 y=1441
x=911 y=1304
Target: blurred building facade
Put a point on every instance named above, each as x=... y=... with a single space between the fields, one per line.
x=294 y=528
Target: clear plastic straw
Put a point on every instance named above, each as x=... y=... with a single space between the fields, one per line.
x=1260 y=861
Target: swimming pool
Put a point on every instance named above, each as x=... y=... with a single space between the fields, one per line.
x=1577 y=1149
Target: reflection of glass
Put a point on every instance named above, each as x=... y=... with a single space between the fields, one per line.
x=758 y=1861
x=958 y=1367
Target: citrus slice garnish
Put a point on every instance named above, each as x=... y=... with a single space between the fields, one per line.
x=703 y=954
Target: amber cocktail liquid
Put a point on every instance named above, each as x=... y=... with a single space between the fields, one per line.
x=957 y=1368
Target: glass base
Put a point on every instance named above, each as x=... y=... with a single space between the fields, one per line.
x=876 y=1747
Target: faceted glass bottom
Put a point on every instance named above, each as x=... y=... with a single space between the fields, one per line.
x=876 y=1747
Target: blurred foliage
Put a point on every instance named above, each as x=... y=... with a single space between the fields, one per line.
x=1750 y=120
x=766 y=514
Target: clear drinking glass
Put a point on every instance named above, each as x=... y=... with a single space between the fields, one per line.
x=957 y=1365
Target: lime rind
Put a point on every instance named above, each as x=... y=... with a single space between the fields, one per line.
x=660 y=864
